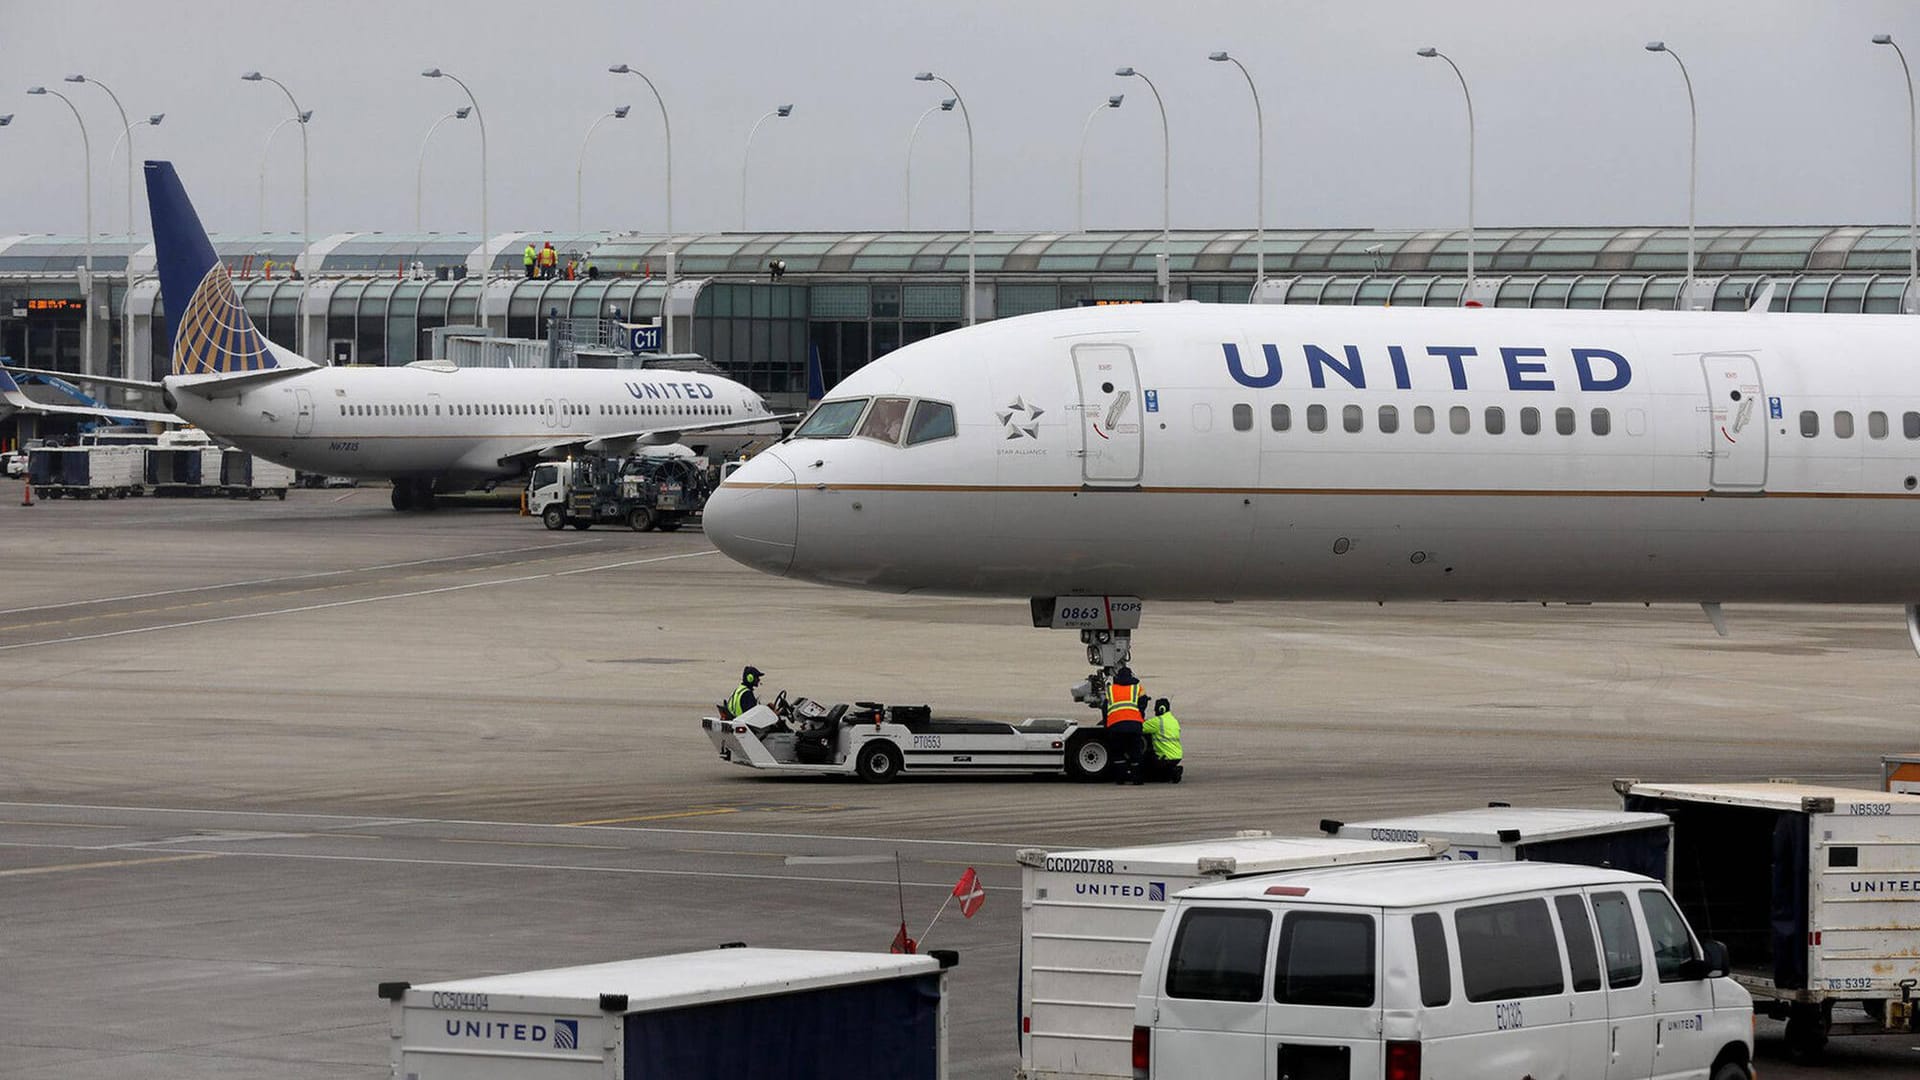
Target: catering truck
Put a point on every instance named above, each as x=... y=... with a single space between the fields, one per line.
x=1815 y=890
x=721 y=1014
x=1637 y=842
x=1087 y=917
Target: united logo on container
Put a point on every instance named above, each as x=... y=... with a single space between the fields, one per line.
x=566 y=1034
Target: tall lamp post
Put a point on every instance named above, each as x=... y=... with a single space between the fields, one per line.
x=1166 y=186
x=486 y=258
x=420 y=172
x=944 y=106
x=1693 y=158
x=126 y=132
x=1432 y=53
x=666 y=126
x=1260 y=151
x=928 y=76
x=86 y=284
x=1080 y=171
x=580 y=172
x=1913 y=174
x=305 y=265
x=267 y=147
x=124 y=139
x=746 y=158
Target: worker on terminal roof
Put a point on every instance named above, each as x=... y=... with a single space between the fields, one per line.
x=743 y=698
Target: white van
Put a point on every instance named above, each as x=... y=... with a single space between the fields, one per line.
x=1437 y=970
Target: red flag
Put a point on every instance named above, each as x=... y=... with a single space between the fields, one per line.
x=970 y=893
x=902 y=943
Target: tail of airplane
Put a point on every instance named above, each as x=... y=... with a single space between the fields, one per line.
x=816 y=379
x=212 y=334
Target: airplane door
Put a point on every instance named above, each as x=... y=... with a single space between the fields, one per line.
x=303 y=412
x=1737 y=408
x=1110 y=428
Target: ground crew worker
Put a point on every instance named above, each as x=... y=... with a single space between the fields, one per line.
x=1124 y=736
x=1162 y=730
x=743 y=698
x=530 y=256
x=549 y=259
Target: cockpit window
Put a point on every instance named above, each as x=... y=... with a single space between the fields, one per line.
x=832 y=419
x=931 y=420
x=886 y=419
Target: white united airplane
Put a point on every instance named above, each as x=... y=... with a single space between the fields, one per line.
x=1093 y=458
x=427 y=426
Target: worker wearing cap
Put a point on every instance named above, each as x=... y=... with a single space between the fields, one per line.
x=530 y=256
x=743 y=698
x=549 y=260
x=1124 y=733
x=1162 y=730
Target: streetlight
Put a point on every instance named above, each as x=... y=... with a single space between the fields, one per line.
x=486 y=261
x=1693 y=157
x=1080 y=185
x=579 y=173
x=781 y=111
x=420 y=172
x=666 y=126
x=123 y=138
x=1166 y=186
x=86 y=283
x=306 y=202
x=928 y=76
x=1913 y=169
x=944 y=106
x=1260 y=149
x=1431 y=53
x=126 y=132
x=267 y=146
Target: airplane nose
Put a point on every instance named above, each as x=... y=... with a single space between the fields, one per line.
x=754 y=516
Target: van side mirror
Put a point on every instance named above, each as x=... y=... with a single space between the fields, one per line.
x=1713 y=965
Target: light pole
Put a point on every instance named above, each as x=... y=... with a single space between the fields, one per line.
x=306 y=201
x=126 y=132
x=1260 y=150
x=666 y=126
x=928 y=76
x=1913 y=167
x=944 y=106
x=1166 y=186
x=124 y=139
x=420 y=172
x=1693 y=158
x=1080 y=182
x=264 y=149
x=781 y=111
x=486 y=260
x=1431 y=53
x=86 y=284
x=580 y=172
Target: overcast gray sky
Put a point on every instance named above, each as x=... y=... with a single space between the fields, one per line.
x=1802 y=120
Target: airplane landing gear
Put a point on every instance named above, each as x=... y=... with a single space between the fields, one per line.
x=412 y=494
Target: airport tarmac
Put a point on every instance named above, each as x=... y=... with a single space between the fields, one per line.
x=263 y=756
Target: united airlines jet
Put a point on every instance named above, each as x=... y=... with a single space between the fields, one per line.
x=428 y=426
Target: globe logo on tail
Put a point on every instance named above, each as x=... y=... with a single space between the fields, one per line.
x=216 y=336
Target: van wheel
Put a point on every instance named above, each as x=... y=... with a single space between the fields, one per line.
x=554 y=518
x=671 y=524
x=1732 y=1070
x=581 y=523
x=640 y=520
x=879 y=762
x=1088 y=758
x=1807 y=1032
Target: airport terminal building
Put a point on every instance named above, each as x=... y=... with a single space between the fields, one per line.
x=373 y=298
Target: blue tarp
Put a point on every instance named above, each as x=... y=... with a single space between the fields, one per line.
x=876 y=1031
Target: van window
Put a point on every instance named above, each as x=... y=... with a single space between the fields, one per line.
x=1618 y=938
x=1325 y=959
x=1219 y=954
x=1507 y=951
x=1576 y=927
x=1672 y=944
x=1430 y=955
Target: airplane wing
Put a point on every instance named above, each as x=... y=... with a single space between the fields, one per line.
x=131 y=384
x=223 y=384
x=623 y=441
x=12 y=395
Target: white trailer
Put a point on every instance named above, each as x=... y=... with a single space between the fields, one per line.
x=243 y=475
x=1640 y=843
x=722 y=1013
x=1087 y=918
x=1815 y=890
x=88 y=472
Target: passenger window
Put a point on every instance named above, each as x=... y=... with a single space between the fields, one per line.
x=1672 y=943
x=1910 y=425
x=1316 y=418
x=1563 y=421
x=1843 y=425
x=1389 y=419
x=1529 y=421
x=1496 y=420
x=1351 y=418
x=1459 y=419
x=1876 y=425
x=1325 y=959
x=1281 y=417
x=1576 y=928
x=1507 y=951
x=1423 y=419
x=1243 y=417
x=832 y=419
x=1618 y=939
x=931 y=420
x=1601 y=422
x=1430 y=955
x=1809 y=424
x=1219 y=954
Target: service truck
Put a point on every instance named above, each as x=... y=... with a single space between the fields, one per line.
x=1622 y=840
x=658 y=488
x=1087 y=917
x=720 y=1014
x=1815 y=890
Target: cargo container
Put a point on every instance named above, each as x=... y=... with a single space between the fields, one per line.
x=87 y=472
x=183 y=470
x=1639 y=843
x=244 y=475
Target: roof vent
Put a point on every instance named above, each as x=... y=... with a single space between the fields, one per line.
x=1286 y=890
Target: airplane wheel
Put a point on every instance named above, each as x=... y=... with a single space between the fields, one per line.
x=402 y=497
x=1088 y=759
x=554 y=518
x=640 y=520
x=879 y=762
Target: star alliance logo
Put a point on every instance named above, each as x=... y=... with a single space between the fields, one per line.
x=1021 y=419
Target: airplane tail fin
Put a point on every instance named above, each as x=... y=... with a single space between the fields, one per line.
x=816 y=379
x=212 y=334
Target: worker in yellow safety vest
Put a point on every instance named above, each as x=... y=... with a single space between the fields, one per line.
x=530 y=256
x=742 y=698
x=549 y=259
x=1125 y=737
x=1162 y=730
